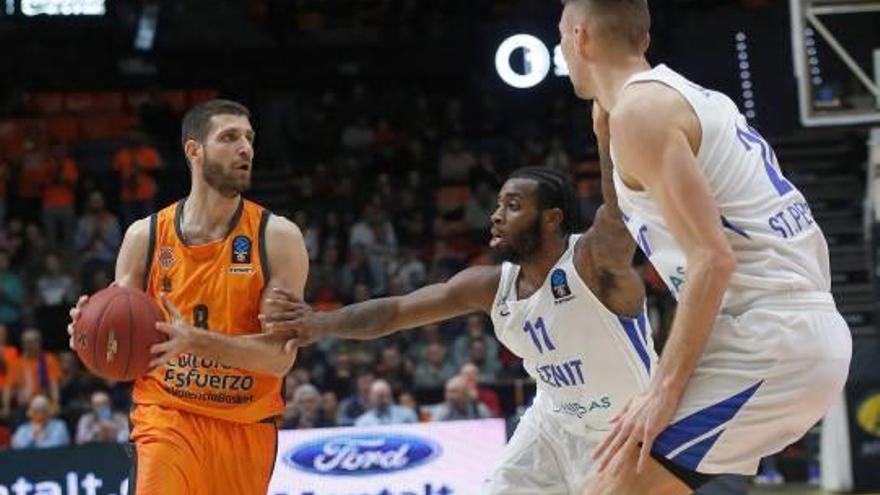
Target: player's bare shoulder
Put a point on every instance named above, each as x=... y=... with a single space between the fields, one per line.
x=288 y=261
x=133 y=258
x=648 y=106
x=282 y=230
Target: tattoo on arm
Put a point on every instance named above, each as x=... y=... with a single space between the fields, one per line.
x=367 y=320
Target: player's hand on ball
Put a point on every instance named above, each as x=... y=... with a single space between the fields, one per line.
x=181 y=336
x=294 y=317
x=74 y=317
x=636 y=426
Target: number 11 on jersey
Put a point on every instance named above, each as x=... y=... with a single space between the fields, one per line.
x=533 y=331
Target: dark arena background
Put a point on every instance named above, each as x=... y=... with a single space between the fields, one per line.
x=384 y=128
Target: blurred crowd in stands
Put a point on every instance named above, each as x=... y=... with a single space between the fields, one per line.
x=392 y=188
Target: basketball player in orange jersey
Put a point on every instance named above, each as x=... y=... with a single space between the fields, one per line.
x=200 y=425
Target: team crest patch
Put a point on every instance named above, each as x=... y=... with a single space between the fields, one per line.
x=166 y=257
x=241 y=249
x=559 y=286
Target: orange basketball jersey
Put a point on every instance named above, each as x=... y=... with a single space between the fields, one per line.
x=216 y=286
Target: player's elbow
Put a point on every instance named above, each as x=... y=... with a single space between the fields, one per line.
x=281 y=366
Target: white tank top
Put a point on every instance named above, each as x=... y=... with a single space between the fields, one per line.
x=780 y=251
x=587 y=361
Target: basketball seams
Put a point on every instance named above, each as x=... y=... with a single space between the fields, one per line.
x=97 y=331
x=131 y=333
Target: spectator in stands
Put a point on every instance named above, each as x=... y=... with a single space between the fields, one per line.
x=459 y=404
x=382 y=409
x=8 y=356
x=15 y=240
x=102 y=424
x=330 y=406
x=11 y=293
x=408 y=400
x=479 y=208
x=365 y=271
x=136 y=164
x=478 y=355
x=409 y=270
x=396 y=369
x=33 y=259
x=306 y=411
x=59 y=191
x=375 y=234
x=55 y=293
x=475 y=329
x=339 y=378
x=356 y=404
x=37 y=373
x=76 y=386
x=435 y=369
x=359 y=135
x=41 y=431
x=557 y=157
x=485 y=395
x=30 y=179
x=97 y=235
x=456 y=162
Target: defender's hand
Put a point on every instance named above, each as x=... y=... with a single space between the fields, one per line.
x=298 y=320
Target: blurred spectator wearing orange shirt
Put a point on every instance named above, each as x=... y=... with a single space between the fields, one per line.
x=30 y=179
x=60 y=174
x=8 y=356
x=36 y=373
x=135 y=164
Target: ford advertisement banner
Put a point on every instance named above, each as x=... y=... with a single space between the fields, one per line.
x=420 y=459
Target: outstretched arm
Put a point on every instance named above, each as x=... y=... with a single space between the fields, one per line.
x=266 y=352
x=472 y=289
x=606 y=251
x=654 y=130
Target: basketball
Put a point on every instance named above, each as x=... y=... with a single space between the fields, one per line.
x=115 y=331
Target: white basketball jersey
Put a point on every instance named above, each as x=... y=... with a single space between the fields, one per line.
x=779 y=248
x=587 y=361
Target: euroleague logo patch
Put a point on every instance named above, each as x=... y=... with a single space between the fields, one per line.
x=241 y=250
x=559 y=286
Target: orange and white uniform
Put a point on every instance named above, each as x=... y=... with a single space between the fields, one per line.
x=199 y=426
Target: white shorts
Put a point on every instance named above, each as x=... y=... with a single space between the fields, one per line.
x=765 y=378
x=543 y=456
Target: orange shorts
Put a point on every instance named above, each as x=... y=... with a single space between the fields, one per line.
x=180 y=453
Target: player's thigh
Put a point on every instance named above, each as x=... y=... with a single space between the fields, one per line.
x=529 y=465
x=159 y=468
x=622 y=478
x=243 y=457
x=166 y=453
x=738 y=408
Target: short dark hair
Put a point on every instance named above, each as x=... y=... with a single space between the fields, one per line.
x=629 y=21
x=197 y=121
x=555 y=190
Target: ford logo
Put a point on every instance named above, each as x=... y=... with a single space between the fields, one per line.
x=361 y=454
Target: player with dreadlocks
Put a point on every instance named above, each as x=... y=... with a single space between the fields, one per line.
x=569 y=304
